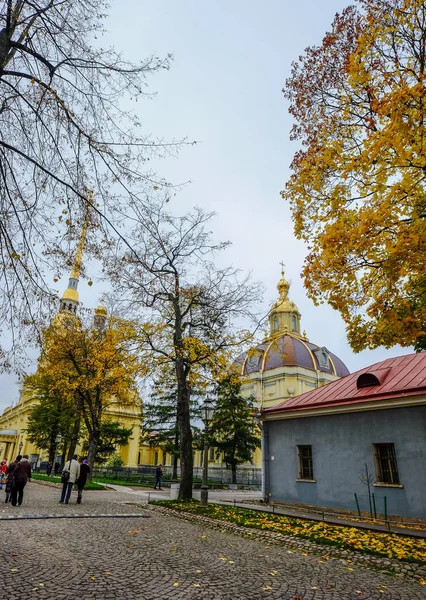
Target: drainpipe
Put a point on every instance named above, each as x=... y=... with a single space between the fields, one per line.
x=265 y=462
x=265 y=453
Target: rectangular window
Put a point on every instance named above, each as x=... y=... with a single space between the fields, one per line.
x=386 y=467
x=211 y=454
x=306 y=470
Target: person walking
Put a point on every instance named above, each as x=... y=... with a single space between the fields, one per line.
x=158 y=477
x=3 y=469
x=21 y=475
x=10 y=482
x=82 y=479
x=49 y=468
x=70 y=474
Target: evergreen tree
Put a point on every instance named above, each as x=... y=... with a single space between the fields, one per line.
x=160 y=418
x=233 y=430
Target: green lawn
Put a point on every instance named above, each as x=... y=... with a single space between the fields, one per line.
x=53 y=479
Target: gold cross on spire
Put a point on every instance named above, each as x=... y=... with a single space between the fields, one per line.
x=282 y=268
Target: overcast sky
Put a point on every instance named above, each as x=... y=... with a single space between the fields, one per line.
x=231 y=59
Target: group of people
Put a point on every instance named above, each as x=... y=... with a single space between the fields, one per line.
x=74 y=473
x=16 y=475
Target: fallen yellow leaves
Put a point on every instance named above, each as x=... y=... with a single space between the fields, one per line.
x=390 y=545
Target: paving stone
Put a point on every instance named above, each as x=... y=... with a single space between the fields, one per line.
x=164 y=557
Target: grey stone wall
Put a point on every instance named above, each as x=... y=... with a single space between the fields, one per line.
x=341 y=444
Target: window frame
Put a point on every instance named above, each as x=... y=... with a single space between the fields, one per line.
x=386 y=464
x=305 y=462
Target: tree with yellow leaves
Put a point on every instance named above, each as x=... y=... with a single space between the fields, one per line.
x=95 y=367
x=189 y=310
x=358 y=187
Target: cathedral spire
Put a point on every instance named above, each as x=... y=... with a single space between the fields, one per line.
x=70 y=298
x=284 y=317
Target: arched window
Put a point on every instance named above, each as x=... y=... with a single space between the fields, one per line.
x=293 y=322
x=275 y=323
x=155 y=458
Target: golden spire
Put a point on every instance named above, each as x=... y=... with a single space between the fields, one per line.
x=75 y=273
x=70 y=298
x=283 y=285
x=284 y=317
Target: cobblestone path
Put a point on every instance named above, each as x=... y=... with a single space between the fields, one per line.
x=162 y=557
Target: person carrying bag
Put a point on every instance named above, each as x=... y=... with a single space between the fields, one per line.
x=70 y=474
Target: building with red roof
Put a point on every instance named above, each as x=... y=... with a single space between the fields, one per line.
x=318 y=445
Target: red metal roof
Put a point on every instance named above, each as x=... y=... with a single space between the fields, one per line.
x=402 y=376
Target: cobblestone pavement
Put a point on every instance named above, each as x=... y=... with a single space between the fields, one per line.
x=163 y=557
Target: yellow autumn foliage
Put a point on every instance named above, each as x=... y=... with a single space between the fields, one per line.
x=358 y=186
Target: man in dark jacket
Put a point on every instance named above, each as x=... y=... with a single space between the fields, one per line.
x=158 y=476
x=21 y=475
x=10 y=480
x=82 y=479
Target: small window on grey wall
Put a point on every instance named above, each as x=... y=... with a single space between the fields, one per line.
x=386 y=465
x=304 y=454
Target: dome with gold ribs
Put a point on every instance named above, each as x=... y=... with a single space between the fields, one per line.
x=285 y=345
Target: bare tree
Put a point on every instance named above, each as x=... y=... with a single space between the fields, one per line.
x=62 y=127
x=187 y=307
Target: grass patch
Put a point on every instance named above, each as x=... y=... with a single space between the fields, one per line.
x=53 y=479
x=387 y=545
x=126 y=482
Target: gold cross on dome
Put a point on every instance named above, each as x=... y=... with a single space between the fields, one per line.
x=282 y=268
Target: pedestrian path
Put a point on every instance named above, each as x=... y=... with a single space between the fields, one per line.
x=138 y=558
x=16 y=517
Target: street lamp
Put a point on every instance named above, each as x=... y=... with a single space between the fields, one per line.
x=207 y=411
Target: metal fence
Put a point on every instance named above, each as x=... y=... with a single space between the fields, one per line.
x=250 y=477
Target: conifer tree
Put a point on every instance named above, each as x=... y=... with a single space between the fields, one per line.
x=160 y=419
x=234 y=431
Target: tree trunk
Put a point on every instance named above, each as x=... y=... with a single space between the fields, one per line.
x=185 y=433
x=234 y=472
x=91 y=454
x=52 y=452
x=75 y=434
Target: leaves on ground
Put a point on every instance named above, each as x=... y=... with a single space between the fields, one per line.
x=379 y=543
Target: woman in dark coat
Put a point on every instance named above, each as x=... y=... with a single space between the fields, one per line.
x=82 y=479
x=21 y=475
